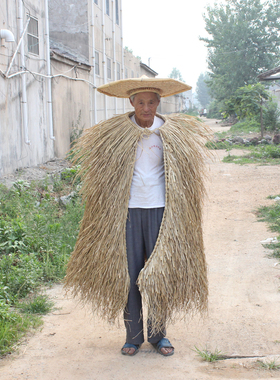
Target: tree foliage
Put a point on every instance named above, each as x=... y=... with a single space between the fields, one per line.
x=246 y=101
x=176 y=74
x=202 y=90
x=253 y=102
x=244 y=41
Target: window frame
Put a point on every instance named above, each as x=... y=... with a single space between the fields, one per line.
x=31 y=37
x=109 y=68
x=107 y=7
x=117 y=12
x=118 y=71
x=96 y=63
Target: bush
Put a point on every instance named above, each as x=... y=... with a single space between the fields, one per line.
x=38 y=304
x=245 y=126
x=271 y=116
x=37 y=235
x=19 y=275
x=271 y=215
x=13 y=326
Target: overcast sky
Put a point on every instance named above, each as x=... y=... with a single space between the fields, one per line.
x=167 y=32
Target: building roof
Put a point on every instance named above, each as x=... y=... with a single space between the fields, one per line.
x=65 y=54
x=272 y=74
x=146 y=67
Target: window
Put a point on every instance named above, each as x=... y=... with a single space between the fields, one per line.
x=126 y=73
x=118 y=71
x=33 y=36
x=108 y=7
x=117 y=13
x=97 y=72
x=96 y=2
x=109 y=71
x=132 y=74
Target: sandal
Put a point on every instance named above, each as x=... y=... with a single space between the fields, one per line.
x=128 y=345
x=163 y=343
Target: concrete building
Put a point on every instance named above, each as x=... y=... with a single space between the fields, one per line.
x=63 y=51
x=272 y=76
x=26 y=135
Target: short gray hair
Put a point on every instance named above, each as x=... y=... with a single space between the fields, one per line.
x=133 y=96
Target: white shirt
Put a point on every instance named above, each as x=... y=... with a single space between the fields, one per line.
x=148 y=182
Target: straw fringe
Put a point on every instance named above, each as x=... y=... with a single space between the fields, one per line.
x=174 y=278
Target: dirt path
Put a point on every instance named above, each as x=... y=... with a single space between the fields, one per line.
x=244 y=304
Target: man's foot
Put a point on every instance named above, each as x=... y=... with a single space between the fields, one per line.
x=130 y=349
x=164 y=347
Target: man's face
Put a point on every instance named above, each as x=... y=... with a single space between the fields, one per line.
x=145 y=104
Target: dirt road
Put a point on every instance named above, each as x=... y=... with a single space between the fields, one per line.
x=244 y=304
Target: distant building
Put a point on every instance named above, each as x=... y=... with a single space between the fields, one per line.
x=272 y=75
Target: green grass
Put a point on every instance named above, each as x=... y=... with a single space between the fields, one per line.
x=219 y=145
x=36 y=304
x=209 y=356
x=37 y=235
x=13 y=326
x=269 y=365
x=262 y=155
x=244 y=127
x=256 y=154
x=271 y=215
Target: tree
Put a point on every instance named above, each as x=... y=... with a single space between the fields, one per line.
x=176 y=74
x=244 y=41
x=202 y=90
x=248 y=102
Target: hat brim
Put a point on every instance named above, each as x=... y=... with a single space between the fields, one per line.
x=124 y=88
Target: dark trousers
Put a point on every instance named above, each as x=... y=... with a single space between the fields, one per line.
x=142 y=230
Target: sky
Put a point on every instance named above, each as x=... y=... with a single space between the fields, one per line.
x=168 y=33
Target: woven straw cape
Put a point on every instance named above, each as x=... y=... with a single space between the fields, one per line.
x=174 y=278
x=125 y=88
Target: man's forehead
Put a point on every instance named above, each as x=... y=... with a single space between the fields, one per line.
x=146 y=95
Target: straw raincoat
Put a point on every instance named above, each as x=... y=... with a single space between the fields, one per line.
x=174 y=278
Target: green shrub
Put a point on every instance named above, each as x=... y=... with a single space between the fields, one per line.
x=69 y=175
x=271 y=215
x=13 y=326
x=38 y=304
x=37 y=235
x=218 y=145
x=19 y=275
x=245 y=126
x=271 y=116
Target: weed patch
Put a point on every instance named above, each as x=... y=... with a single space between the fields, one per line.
x=271 y=215
x=262 y=155
x=209 y=356
x=269 y=365
x=13 y=326
x=37 y=235
x=37 y=304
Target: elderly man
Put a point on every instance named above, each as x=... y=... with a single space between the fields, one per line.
x=141 y=235
x=145 y=210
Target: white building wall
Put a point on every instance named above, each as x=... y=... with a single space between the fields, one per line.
x=15 y=153
x=80 y=27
